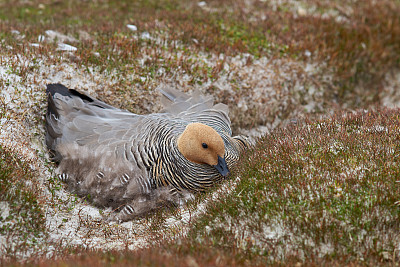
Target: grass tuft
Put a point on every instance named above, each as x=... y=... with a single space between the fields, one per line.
x=319 y=190
x=22 y=222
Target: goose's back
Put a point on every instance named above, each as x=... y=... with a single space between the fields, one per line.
x=121 y=159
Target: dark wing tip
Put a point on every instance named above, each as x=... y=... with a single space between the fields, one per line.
x=57 y=88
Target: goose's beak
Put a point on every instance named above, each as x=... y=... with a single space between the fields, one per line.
x=222 y=167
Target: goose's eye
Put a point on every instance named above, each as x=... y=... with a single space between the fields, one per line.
x=204 y=145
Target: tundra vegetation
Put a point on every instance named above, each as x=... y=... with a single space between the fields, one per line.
x=320 y=78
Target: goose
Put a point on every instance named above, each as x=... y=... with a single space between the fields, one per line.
x=138 y=163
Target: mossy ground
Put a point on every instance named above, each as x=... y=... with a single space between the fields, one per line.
x=22 y=223
x=321 y=191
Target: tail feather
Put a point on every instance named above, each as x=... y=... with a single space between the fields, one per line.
x=60 y=106
x=53 y=115
x=51 y=90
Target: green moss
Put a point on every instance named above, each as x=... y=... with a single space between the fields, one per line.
x=330 y=186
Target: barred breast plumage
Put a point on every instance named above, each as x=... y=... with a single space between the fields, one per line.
x=137 y=163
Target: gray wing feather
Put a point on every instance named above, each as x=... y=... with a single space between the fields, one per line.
x=93 y=126
x=113 y=130
x=195 y=108
x=176 y=102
